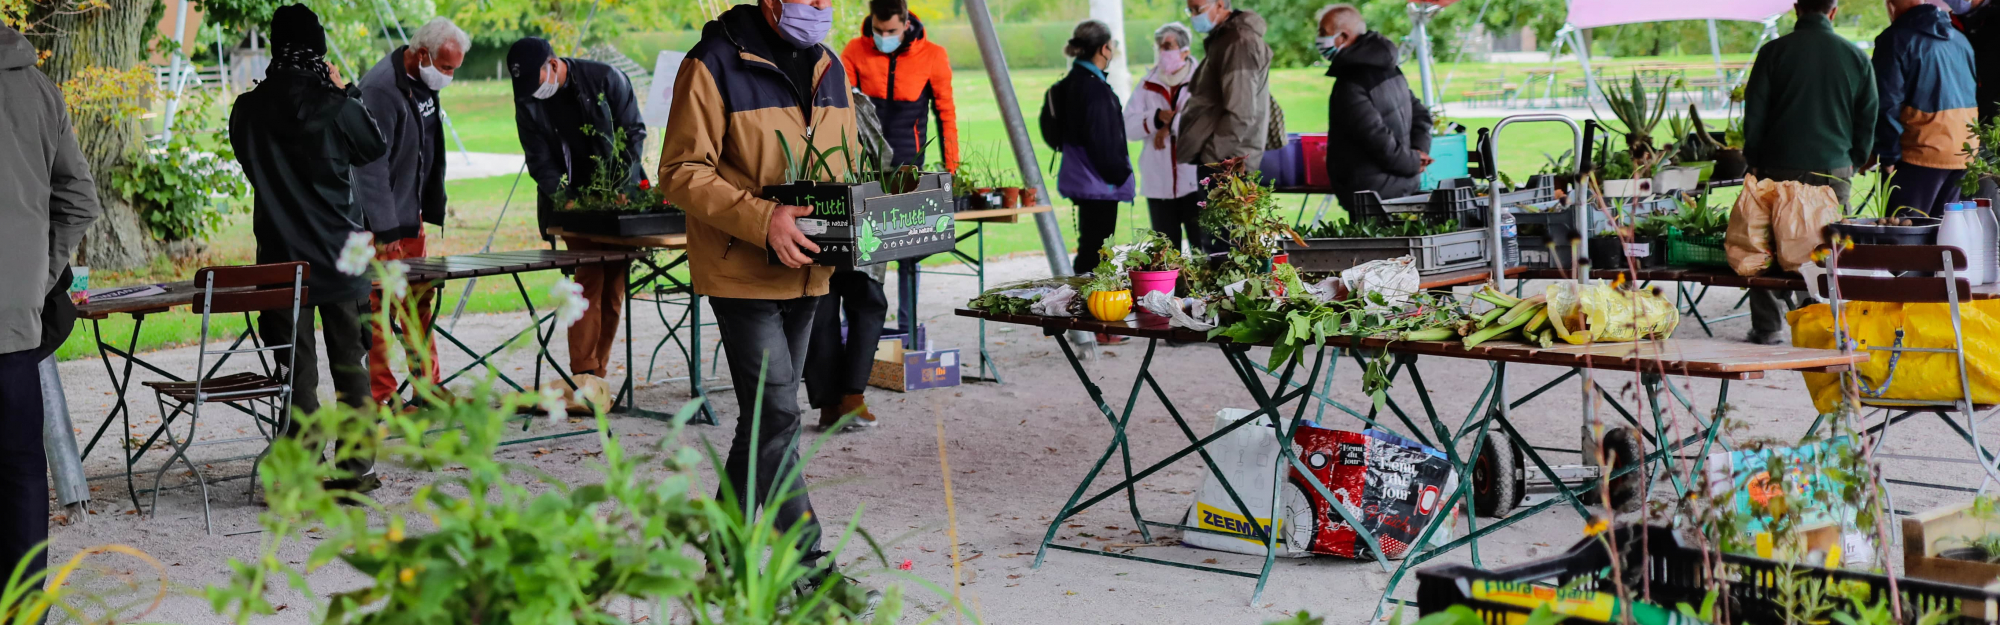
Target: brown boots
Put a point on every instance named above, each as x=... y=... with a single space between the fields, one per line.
x=849 y=405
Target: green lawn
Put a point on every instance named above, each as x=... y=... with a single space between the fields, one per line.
x=482 y=114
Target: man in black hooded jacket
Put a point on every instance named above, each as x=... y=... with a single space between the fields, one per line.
x=1378 y=135
x=299 y=137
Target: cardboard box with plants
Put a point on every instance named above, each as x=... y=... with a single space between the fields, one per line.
x=610 y=204
x=870 y=217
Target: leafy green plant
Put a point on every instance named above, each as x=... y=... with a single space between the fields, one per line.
x=1153 y=252
x=185 y=187
x=1378 y=228
x=610 y=187
x=1982 y=162
x=1637 y=114
x=1105 y=279
x=1696 y=218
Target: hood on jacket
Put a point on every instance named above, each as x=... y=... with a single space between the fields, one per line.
x=15 y=51
x=914 y=33
x=1925 y=20
x=1371 y=52
x=1241 y=22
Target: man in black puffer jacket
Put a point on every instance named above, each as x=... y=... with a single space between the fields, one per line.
x=1378 y=134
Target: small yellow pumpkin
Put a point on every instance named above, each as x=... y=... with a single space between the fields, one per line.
x=1110 y=305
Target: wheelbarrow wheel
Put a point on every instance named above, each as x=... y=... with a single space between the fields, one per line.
x=1497 y=481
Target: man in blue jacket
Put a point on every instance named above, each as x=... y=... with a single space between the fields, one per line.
x=1924 y=78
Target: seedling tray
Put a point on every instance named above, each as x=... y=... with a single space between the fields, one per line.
x=623 y=223
x=1437 y=253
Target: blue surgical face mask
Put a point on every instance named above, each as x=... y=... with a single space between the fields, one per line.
x=887 y=44
x=1202 y=24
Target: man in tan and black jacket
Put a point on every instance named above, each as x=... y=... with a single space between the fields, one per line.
x=758 y=72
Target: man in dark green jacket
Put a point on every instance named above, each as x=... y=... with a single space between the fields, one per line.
x=1808 y=115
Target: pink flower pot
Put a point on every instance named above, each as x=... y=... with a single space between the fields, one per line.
x=1144 y=282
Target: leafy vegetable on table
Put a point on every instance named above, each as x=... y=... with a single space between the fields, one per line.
x=1377 y=228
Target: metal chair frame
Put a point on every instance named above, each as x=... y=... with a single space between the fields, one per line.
x=258 y=398
x=1952 y=260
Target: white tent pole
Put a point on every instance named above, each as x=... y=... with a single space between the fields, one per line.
x=1715 y=49
x=1582 y=47
x=180 y=34
x=1112 y=13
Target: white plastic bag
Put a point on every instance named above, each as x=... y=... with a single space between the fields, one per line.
x=1247 y=455
x=1395 y=279
x=1187 y=313
x=1055 y=304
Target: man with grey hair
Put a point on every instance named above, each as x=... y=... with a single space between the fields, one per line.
x=400 y=193
x=1378 y=135
x=1228 y=115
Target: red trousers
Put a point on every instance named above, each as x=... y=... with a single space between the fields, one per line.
x=419 y=349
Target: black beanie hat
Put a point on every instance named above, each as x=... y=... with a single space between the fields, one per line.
x=524 y=63
x=296 y=27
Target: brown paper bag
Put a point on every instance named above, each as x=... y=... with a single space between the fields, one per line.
x=1748 y=244
x=1796 y=223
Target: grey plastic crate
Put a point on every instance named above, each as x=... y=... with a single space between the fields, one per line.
x=1437 y=253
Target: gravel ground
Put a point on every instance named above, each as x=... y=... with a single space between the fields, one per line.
x=1016 y=451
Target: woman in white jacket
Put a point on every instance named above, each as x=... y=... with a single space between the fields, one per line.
x=1152 y=117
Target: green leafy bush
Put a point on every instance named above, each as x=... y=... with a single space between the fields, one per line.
x=185 y=187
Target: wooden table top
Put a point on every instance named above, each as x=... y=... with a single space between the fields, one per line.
x=999 y=215
x=1715 y=276
x=1726 y=361
x=657 y=241
x=432 y=269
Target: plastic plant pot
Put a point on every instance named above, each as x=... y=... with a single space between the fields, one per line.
x=1010 y=197
x=1144 y=282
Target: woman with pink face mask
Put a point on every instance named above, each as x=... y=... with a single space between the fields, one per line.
x=1152 y=117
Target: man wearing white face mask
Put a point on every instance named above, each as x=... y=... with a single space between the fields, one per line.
x=401 y=192
x=567 y=111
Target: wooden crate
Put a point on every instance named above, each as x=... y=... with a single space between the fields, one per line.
x=1922 y=542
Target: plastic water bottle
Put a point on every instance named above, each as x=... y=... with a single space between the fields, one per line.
x=1961 y=230
x=1510 y=239
x=1991 y=238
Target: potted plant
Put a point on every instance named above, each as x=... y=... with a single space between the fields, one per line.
x=1694 y=147
x=1107 y=295
x=964 y=190
x=1729 y=161
x=1154 y=264
x=864 y=215
x=1878 y=224
x=1028 y=198
x=1638 y=116
x=1957 y=543
x=1010 y=192
x=606 y=204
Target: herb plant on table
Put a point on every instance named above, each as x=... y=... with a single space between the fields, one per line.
x=1153 y=252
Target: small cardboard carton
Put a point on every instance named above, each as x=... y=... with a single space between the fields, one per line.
x=1927 y=535
x=904 y=370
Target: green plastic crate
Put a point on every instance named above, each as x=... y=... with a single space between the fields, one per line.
x=1695 y=251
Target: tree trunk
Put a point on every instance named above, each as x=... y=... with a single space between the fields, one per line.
x=113 y=37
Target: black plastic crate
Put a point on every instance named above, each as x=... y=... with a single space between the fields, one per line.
x=623 y=223
x=1536 y=252
x=857 y=225
x=1559 y=224
x=1437 y=253
x=1654 y=560
x=1441 y=204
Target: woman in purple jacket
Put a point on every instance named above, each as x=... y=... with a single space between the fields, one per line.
x=1096 y=169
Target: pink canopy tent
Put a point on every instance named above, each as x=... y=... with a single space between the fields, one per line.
x=1596 y=13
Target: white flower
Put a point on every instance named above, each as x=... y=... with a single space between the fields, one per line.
x=570 y=304
x=357 y=254
x=395 y=280
x=553 y=403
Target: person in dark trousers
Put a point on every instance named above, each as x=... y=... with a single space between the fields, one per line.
x=299 y=136
x=1096 y=171
x=47 y=198
x=1153 y=118
x=554 y=100
x=403 y=191
x=1378 y=134
x=1808 y=116
x=1926 y=100
x=759 y=80
x=908 y=78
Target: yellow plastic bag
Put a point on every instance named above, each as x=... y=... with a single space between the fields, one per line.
x=1918 y=375
x=1600 y=313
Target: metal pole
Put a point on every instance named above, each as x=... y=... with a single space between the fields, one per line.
x=1420 y=19
x=1714 y=49
x=1024 y=150
x=1582 y=47
x=59 y=442
x=180 y=35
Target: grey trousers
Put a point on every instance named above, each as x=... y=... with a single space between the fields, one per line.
x=346 y=333
x=1768 y=306
x=766 y=341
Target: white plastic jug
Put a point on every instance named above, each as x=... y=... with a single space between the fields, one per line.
x=1962 y=229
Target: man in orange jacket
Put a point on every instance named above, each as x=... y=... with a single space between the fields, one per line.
x=905 y=76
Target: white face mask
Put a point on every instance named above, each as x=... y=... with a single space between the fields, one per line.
x=433 y=78
x=549 y=83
